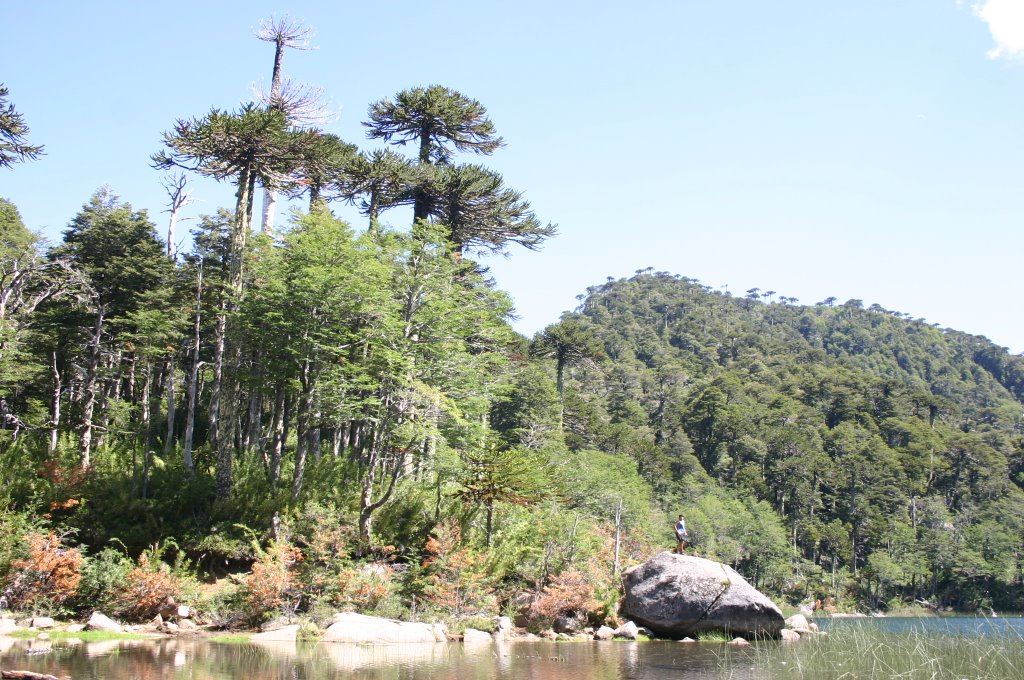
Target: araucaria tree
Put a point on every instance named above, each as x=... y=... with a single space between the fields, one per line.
x=249 y=146
x=13 y=131
x=470 y=200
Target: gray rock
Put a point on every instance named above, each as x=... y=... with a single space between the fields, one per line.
x=74 y=628
x=739 y=642
x=283 y=634
x=502 y=628
x=604 y=633
x=42 y=623
x=627 y=631
x=99 y=621
x=789 y=635
x=679 y=595
x=8 y=626
x=570 y=623
x=798 y=622
x=351 y=627
x=169 y=627
x=472 y=636
x=184 y=611
x=187 y=624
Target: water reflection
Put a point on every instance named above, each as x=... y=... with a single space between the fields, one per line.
x=200 y=660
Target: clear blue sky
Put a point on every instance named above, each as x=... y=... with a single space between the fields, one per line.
x=870 y=150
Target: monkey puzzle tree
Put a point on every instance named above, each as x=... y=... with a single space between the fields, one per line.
x=323 y=166
x=479 y=211
x=439 y=120
x=570 y=342
x=13 y=147
x=249 y=146
x=299 y=103
x=383 y=179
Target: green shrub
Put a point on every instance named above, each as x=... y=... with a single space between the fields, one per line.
x=102 y=575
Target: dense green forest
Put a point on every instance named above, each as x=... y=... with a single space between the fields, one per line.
x=328 y=415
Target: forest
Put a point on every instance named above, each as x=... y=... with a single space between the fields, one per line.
x=296 y=419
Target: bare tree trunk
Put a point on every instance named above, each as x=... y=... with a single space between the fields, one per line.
x=346 y=437
x=172 y=411
x=315 y=436
x=54 y=404
x=336 y=441
x=254 y=413
x=228 y=345
x=193 y=378
x=302 y=429
x=269 y=208
x=280 y=431
x=618 y=536
x=89 y=397
x=218 y=376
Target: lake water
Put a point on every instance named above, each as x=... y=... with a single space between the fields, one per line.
x=855 y=648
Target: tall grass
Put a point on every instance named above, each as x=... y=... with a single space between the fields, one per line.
x=866 y=652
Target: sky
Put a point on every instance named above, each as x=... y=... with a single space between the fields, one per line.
x=870 y=150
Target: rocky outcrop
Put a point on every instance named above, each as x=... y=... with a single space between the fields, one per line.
x=678 y=595
x=351 y=627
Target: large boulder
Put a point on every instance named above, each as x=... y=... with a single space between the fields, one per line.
x=351 y=627
x=677 y=596
x=99 y=621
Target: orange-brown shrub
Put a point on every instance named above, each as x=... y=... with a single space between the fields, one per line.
x=270 y=586
x=364 y=588
x=50 y=573
x=457 y=579
x=571 y=592
x=146 y=590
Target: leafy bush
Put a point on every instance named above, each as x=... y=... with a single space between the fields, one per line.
x=103 y=574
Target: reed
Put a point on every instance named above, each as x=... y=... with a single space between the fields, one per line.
x=865 y=652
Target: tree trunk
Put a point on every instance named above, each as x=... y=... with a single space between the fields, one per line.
x=254 y=413
x=89 y=396
x=280 y=431
x=219 y=332
x=618 y=537
x=269 y=208
x=54 y=404
x=302 y=431
x=172 y=410
x=193 y=376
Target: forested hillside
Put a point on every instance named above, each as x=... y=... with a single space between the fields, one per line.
x=890 y=450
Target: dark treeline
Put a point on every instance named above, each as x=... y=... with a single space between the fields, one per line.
x=343 y=414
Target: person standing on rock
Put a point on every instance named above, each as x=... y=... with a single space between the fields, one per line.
x=682 y=536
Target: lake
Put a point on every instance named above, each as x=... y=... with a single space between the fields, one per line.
x=856 y=648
